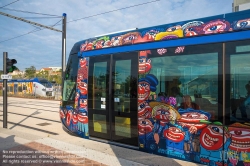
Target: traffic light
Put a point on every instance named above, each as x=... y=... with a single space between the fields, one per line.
x=10 y=65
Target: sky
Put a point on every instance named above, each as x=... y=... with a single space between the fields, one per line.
x=86 y=19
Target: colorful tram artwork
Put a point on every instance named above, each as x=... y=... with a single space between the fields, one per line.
x=36 y=86
x=180 y=90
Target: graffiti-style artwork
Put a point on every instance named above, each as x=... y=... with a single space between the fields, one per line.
x=239 y=150
x=216 y=26
x=167 y=32
x=76 y=118
x=191 y=28
x=182 y=131
x=171 y=33
x=144 y=62
x=241 y=24
x=213 y=140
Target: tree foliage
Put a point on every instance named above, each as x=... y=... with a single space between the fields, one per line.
x=30 y=72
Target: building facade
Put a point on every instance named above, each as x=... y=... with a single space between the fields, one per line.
x=239 y=5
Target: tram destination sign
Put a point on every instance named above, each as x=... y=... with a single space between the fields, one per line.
x=6 y=77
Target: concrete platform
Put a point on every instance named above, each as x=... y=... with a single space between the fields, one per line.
x=70 y=150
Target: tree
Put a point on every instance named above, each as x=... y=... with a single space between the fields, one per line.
x=30 y=72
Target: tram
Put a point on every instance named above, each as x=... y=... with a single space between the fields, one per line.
x=180 y=90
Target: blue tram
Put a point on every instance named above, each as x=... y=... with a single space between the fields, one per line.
x=180 y=90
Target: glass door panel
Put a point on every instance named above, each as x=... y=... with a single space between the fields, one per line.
x=124 y=115
x=99 y=125
x=113 y=97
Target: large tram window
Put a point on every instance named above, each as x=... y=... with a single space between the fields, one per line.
x=238 y=81
x=69 y=86
x=191 y=74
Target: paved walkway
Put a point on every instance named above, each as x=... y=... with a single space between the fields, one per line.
x=20 y=148
x=35 y=135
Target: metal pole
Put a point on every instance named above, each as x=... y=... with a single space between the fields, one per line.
x=63 y=48
x=5 y=102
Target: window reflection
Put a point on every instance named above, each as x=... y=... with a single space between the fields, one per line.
x=70 y=79
x=240 y=87
x=122 y=81
x=190 y=79
x=99 y=85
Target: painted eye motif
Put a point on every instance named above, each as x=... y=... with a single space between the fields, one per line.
x=142 y=105
x=239 y=132
x=131 y=37
x=152 y=33
x=164 y=112
x=243 y=23
x=213 y=28
x=216 y=129
x=142 y=60
x=144 y=122
x=171 y=29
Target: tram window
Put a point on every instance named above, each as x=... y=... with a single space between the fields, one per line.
x=238 y=53
x=11 y=88
x=20 y=89
x=100 y=79
x=70 y=78
x=191 y=75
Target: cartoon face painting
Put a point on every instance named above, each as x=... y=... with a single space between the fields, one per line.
x=213 y=137
x=192 y=28
x=83 y=62
x=82 y=74
x=144 y=110
x=99 y=44
x=164 y=112
x=171 y=33
x=151 y=34
x=146 y=38
x=240 y=139
x=145 y=85
x=144 y=126
x=193 y=117
x=115 y=41
x=143 y=91
x=174 y=134
x=82 y=116
x=129 y=38
x=83 y=87
x=86 y=46
x=83 y=103
x=144 y=63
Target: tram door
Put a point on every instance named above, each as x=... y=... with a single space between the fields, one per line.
x=112 y=99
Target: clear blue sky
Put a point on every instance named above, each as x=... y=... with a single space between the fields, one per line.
x=43 y=48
